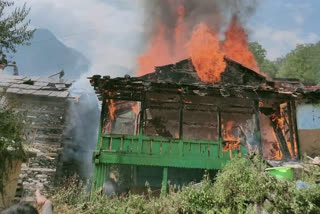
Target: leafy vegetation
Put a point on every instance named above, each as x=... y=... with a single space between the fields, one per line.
x=241 y=187
x=302 y=63
x=13 y=28
x=266 y=66
x=11 y=141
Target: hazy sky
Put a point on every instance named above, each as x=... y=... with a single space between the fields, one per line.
x=109 y=32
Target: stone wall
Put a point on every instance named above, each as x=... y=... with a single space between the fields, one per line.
x=44 y=132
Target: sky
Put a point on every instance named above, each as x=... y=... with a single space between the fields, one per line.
x=279 y=25
x=110 y=33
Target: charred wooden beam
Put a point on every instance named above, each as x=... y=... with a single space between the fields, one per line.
x=281 y=139
x=295 y=125
x=291 y=126
x=257 y=120
x=181 y=118
x=129 y=88
x=219 y=124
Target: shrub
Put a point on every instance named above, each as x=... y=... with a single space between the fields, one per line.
x=241 y=187
x=11 y=138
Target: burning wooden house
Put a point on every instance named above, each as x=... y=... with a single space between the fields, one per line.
x=170 y=120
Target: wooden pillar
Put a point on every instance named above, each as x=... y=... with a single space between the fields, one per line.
x=257 y=120
x=164 y=181
x=102 y=116
x=181 y=118
x=219 y=125
x=292 y=139
x=295 y=125
x=134 y=174
x=141 y=121
x=281 y=140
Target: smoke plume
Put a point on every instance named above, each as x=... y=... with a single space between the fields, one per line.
x=215 y=13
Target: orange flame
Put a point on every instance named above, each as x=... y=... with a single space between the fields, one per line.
x=236 y=45
x=227 y=132
x=276 y=151
x=112 y=109
x=206 y=55
x=158 y=52
x=280 y=121
x=164 y=49
x=202 y=44
x=135 y=109
x=232 y=142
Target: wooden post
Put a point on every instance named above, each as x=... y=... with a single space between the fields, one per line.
x=219 y=132
x=281 y=139
x=257 y=120
x=141 y=121
x=102 y=115
x=292 y=140
x=181 y=118
x=295 y=125
x=219 y=123
x=164 y=181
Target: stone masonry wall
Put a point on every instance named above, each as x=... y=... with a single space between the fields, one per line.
x=45 y=124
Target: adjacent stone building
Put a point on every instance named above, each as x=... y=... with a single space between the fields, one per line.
x=44 y=102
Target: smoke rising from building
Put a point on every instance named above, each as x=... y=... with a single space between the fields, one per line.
x=215 y=13
x=82 y=130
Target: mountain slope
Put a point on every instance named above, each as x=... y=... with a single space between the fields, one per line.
x=47 y=55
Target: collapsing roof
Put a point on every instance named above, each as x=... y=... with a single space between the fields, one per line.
x=36 y=86
x=237 y=81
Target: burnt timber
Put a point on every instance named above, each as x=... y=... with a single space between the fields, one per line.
x=181 y=79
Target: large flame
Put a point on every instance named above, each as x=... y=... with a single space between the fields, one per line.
x=158 y=52
x=206 y=54
x=231 y=142
x=202 y=44
x=236 y=45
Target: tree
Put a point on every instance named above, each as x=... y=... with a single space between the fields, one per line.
x=266 y=66
x=258 y=51
x=269 y=67
x=302 y=63
x=14 y=28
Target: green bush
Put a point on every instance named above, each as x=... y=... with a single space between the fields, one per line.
x=242 y=186
x=11 y=138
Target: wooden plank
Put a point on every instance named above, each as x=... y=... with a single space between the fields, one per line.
x=281 y=139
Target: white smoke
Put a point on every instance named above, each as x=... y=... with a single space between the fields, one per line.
x=107 y=32
x=81 y=132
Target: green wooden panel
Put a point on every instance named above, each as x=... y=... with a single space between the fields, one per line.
x=165 y=147
x=148 y=160
x=161 y=152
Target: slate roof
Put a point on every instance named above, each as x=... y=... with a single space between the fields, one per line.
x=37 y=86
